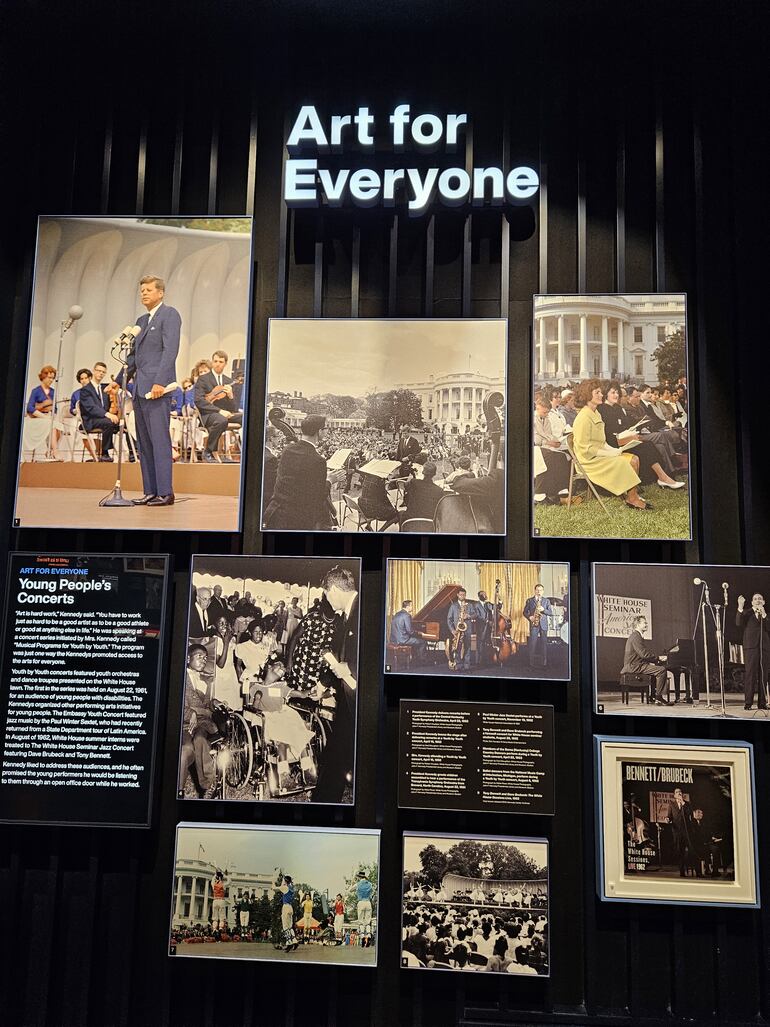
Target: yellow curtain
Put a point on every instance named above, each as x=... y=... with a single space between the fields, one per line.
x=517 y=584
x=404 y=582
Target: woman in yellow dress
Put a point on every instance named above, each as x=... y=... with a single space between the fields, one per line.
x=607 y=467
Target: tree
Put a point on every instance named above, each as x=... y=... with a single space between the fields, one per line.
x=388 y=410
x=671 y=357
x=240 y=225
x=349 y=891
x=508 y=862
x=339 y=406
x=434 y=864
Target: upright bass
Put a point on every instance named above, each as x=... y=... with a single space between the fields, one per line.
x=503 y=645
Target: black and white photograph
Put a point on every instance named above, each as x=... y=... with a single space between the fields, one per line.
x=385 y=426
x=271 y=680
x=673 y=640
x=611 y=454
x=136 y=381
x=481 y=619
x=677 y=821
x=475 y=903
x=276 y=894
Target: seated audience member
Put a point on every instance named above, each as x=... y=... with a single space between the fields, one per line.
x=567 y=406
x=617 y=422
x=199 y=729
x=553 y=482
x=421 y=495
x=463 y=471
x=95 y=414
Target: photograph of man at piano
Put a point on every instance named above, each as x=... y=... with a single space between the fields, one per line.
x=681 y=640
x=385 y=426
x=497 y=619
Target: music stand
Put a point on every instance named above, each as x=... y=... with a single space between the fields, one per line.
x=116 y=497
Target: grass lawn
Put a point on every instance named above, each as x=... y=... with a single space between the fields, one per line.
x=669 y=518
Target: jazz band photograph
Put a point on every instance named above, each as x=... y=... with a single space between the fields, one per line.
x=502 y=619
x=135 y=385
x=275 y=894
x=271 y=680
x=677 y=821
x=681 y=640
x=611 y=454
x=385 y=426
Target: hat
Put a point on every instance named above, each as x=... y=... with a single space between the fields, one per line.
x=565 y=393
x=361 y=873
x=312 y=424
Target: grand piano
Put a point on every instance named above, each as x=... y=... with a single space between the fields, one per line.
x=681 y=662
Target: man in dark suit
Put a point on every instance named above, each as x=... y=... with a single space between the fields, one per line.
x=421 y=495
x=408 y=446
x=219 y=411
x=756 y=649
x=300 y=497
x=538 y=624
x=639 y=659
x=460 y=611
x=402 y=632
x=680 y=815
x=152 y=366
x=94 y=411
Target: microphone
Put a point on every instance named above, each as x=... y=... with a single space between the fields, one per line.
x=129 y=332
x=698 y=581
x=73 y=314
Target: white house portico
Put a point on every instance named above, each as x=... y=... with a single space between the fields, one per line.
x=193 y=892
x=454 y=401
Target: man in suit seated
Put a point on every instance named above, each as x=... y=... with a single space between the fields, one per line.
x=640 y=659
x=421 y=496
x=300 y=499
x=220 y=409
x=94 y=411
x=402 y=632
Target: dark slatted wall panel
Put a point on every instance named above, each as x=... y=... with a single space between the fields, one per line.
x=644 y=124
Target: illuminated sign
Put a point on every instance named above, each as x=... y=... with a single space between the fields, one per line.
x=306 y=184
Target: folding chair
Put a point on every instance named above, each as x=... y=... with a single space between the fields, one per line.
x=423 y=525
x=576 y=471
x=89 y=438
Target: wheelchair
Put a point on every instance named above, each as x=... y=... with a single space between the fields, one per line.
x=243 y=756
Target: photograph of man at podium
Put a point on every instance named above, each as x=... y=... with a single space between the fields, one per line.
x=681 y=640
x=385 y=426
x=142 y=327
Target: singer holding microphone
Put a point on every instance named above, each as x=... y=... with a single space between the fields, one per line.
x=152 y=367
x=756 y=649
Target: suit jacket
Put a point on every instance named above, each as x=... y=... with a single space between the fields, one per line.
x=453 y=614
x=92 y=406
x=654 y=423
x=754 y=631
x=422 y=498
x=299 y=497
x=401 y=628
x=531 y=605
x=206 y=409
x=152 y=360
x=681 y=819
x=196 y=627
x=637 y=654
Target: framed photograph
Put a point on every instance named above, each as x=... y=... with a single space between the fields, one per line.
x=475 y=903
x=271 y=680
x=276 y=894
x=676 y=822
x=496 y=619
x=385 y=425
x=611 y=453
x=673 y=640
x=80 y=691
x=482 y=757
x=137 y=374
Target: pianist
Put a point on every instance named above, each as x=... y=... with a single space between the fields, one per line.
x=640 y=659
x=402 y=632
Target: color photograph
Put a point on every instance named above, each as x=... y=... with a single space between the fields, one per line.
x=611 y=454
x=271 y=680
x=136 y=380
x=469 y=618
x=385 y=426
x=276 y=894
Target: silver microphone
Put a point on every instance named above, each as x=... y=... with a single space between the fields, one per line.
x=129 y=332
x=73 y=314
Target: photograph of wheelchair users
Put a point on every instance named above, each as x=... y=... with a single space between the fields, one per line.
x=270 y=691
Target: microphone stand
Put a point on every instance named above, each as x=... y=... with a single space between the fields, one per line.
x=720 y=651
x=64 y=327
x=701 y=615
x=116 y=497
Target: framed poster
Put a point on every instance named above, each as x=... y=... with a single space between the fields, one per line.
x=80 y=696
x=674 y=640
x=137 y=374
x=676 y=822
x=498 y=619
x=474 y=902
x=485 y=757
x=385 y=425
x=271 y=680
x=611 y=452
x=275 y=894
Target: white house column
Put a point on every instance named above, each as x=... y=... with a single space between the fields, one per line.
x=621 y=347
x=206 y=903
x=192 y=898
x=543 y=348
x=178 y=904
x=605 y=347
x=583 y=346
x=561 y=358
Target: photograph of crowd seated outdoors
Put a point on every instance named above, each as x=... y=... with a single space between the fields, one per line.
x=611 y=454
x=385 y=426
x=293 y=894
x=134 y=398
x=478 y=619
x=270 y=693
x=475 y=904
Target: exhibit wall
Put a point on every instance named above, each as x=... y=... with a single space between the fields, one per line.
x=644 y=127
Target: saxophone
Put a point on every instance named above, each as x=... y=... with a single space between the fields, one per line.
x=535 y=617
x=456 y=644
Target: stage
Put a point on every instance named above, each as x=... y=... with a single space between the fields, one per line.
x=517 y=667
x=610 y=701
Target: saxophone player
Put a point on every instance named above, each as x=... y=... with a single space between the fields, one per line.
x=458 y=621
x=537 y=610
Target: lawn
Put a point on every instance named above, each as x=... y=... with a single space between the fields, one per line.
x=669 y=518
